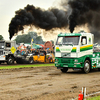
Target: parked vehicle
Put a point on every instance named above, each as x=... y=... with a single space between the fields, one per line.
x=7 y=51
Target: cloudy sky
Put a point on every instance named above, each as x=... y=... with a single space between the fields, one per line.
x=8 y=8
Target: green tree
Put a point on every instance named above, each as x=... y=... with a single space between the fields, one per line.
x=52 y=42
x=39 y=40
x=1 y=37
x=26 y=38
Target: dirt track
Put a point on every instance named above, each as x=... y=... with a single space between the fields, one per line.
x=45 y=83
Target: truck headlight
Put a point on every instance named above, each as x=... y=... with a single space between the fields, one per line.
x=75 y=60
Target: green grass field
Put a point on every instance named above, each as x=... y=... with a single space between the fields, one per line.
x=94 y=98
x=24 y=66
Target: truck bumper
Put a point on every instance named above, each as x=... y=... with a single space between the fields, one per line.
x=70 y=63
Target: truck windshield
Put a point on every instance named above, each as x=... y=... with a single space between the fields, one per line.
x=1 y=45
x=68 y=40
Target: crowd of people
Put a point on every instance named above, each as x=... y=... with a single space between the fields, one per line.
x=22 y=50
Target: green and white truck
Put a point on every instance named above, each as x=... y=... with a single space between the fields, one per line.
x=76 y=51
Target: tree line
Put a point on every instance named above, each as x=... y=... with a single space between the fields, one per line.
x=26 y=38
x=1 y=37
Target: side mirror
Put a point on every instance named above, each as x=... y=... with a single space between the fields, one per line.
x=84 y=41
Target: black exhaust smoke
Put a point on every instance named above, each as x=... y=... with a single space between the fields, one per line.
x=83 y=11
x=30 y=15
x=78 y=12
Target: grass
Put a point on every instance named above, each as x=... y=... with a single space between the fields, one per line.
x=94 y=98
x=24 y=66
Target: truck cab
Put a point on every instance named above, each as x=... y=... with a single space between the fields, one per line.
x=7 y=51
x=74 y=50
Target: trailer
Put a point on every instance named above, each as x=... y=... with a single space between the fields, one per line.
x=76 y=51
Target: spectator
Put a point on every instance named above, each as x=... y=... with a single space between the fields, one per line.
x=23 y=52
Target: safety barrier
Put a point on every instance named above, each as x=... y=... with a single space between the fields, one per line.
x=82 y=95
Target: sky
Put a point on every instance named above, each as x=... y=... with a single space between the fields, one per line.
x=8 y=8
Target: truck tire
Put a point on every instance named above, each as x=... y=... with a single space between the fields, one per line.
x=87 y=66
x=10 y=60
x=31 y=60
x=98 y=69
x=18 y=61
x=50 y=60
x=64 y=70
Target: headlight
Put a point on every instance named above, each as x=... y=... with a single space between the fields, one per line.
x=93 y=55
x=75 y=60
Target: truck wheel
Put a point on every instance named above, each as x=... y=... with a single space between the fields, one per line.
x=86 y=68
x=50 y=60
x=10 y=60
x=18 y=61
x=64 y=70
x=98 y=69
x=31 y=60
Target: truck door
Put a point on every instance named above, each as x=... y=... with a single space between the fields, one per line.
x=83 y=46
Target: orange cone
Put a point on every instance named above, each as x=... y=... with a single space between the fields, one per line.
x=80 y=96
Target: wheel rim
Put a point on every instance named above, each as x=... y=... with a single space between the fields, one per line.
x=87 y=66
x=10 y=61
x=31 y=61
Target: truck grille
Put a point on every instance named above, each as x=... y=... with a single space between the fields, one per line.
x=65 y=61
x=1 y=52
